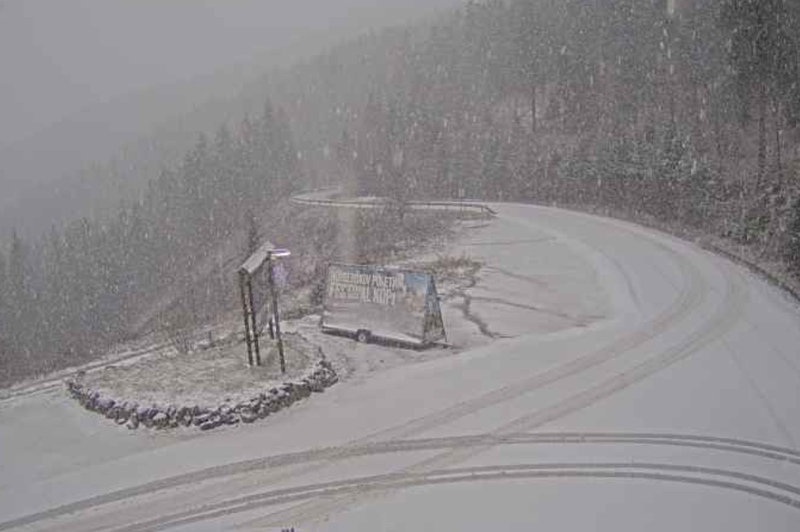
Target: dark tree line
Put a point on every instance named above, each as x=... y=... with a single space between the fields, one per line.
x=686 y=111
x=92 y=282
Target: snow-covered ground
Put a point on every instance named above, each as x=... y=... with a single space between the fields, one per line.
x=609 y=377
x=204 y=377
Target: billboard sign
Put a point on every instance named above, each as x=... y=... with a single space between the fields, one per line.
x=389 y=303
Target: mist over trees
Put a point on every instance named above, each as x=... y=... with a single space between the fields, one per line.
x=93 y=282
x=685 y=112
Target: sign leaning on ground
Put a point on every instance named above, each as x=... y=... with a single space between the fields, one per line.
x=382 y=302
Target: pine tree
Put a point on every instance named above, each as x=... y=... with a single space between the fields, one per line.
x=792 y=252
x=19 y=298
x=245 y=172
x=55 y=308
x=4 y=326
x=195 y=195
x=533 y=49
x=763 y=56
x=285 y=152
x=222 y=184
x=253 y=235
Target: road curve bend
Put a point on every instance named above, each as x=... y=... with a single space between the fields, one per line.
x=683 y=386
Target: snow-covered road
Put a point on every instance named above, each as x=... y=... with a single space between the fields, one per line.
x=638 y=382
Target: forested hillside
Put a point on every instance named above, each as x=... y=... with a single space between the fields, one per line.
x=91 y=282
x=685 y=112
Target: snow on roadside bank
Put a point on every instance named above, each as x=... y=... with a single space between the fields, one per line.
x=205 y=389
x=775 y=271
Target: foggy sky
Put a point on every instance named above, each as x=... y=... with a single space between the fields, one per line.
x=59 y=56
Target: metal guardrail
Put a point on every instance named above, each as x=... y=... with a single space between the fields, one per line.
x=454 y=205
x=379 y=203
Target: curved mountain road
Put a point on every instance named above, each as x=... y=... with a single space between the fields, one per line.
x=690 y=378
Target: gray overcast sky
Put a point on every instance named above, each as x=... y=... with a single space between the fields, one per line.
x=59 y=56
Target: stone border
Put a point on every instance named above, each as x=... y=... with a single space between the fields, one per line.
x=132 y=415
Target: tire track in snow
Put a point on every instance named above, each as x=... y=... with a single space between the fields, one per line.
x=753 y=485
x=760 y=394
x=716 y=327
x=460 y=451
x=691 y=296
x=707 y=443
x=578 y=320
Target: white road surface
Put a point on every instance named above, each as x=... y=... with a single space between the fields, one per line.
x=633 y=382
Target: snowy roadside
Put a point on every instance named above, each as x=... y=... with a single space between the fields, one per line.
x=205 y=388
x=127 y=353
x=203 y=377
x=123 y=354
x=774 y=271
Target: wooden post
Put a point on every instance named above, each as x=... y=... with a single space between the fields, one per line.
x=242 y=289
x=254 y=325
x=275 y=313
